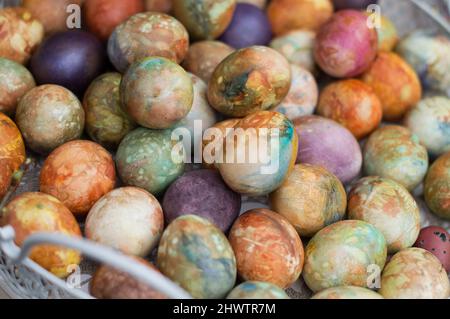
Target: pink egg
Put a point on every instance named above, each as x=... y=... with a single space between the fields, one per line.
x=437 y=241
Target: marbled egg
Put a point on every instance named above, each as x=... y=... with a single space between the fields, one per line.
x=128 y=219
x=267 y=248
x=325 y=143
x=257 y=290
x=49 y=116
x=389 y=207
x=158 y=5
x=414 y=273
x=144 y=159
x=342 y=254
x=12 y=148
x=387 y=34
x=5 y=176
x=311 y=198
x=353 y=104
x=395 y=83
x=196 y=255
x=156 y=93
x=249 y=80
x=347 y=292
x=437 y=241
x=147 y=34
x=437 y=187
x=78 y=173
x=394 y=152
x=15 y=81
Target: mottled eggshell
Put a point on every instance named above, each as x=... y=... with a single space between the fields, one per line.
x=78 y=173
x=303 y=94
x=5 y=176
x=414 y=273
x=255 y=168
x=31 y=213
x=287 y=15
x=347 y=292
x=156 y=92
x=257 y=290
x=147 y=34
x=206 y=19
x=15 y=81
x=49 y=116
x=311 y=198
x=353 y=104
x=389 y=207
x=341 y=254
x=12 y=148
x=387 y=34
x=353 y=4
x=325 y=143
x=158 y=5
x=430 y=121
x=346 y=46
x=106 y=122
x=267 y=248
x=249 y=80
x=196 y=255
x=437 y=241
x=144 y=159
x=21 y=34
x=395 y=83
x=128 y=219
x=437 y=187
x=394 y=152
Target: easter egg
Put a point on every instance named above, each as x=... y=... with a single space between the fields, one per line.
x=389 y=207
x=342 y=254
x=31 y=213
x=346 y=46
x=387 y=34
x=249 y=26
x=353 y=104
x=156 y=93
x=202 y=193
x=196 y=255
x=164 y=6
x=252 y=167
x=395 y=83
x=15 y=81
x=302 y=96
x=71 y=59
x=49 y=116
x=128 y=219
x=311 y=198
x=437 y=187
x=249 y=80
x=12 y=148
x=106 y=122
x=429 y=120
x=325 y=143
x=147 y=34
x=144 y=159
x=257 y=290
x=259 y=3
x=21 y=34
x=78 y=173
x=353 y=4
x=206 y=19
x=414 y=273
x=5 y=176
x=347 y=292
x=437 y=241
x=394 y=152
x=287 y=15
x=267 y=248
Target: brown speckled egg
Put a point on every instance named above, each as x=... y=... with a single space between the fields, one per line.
x=395 y=83
x=347 y=292
x=78 y=173
x=164 y=6
x=267 y=248
x=353 y=104
x=31 y=213
x=12 y=147
x=437 y=241
x=437 y=187
x=49 y=116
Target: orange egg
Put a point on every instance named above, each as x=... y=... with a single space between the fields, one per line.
x=12 y=147
x=5 y=177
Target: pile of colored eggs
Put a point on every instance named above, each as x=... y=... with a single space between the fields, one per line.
x=232 y=85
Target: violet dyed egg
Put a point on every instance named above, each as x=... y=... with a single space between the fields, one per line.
x=202 y=193
x=437 y=187
x=437 y=241
x=347 y=292
x=323 y=142
x=353 y=4
x=249 y=26
x=259 y=3
x=345 y=45
x=71 y=59
x=257 y=290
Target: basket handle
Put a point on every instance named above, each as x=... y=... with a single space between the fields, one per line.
x=95 y=251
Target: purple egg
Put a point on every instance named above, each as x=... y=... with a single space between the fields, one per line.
x=202 y=193
x=249 y=26
x=353 y=4
x=325 y=143
x=71 y=59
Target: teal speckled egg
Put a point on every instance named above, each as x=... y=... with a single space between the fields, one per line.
x=196 y=255
x=257 y=290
